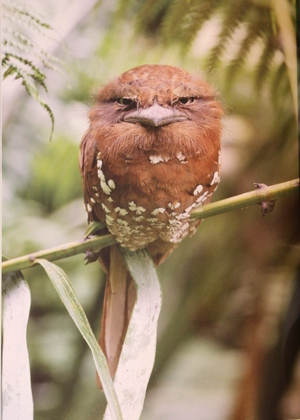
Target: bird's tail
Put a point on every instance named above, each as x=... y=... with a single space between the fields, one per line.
x=119 y=299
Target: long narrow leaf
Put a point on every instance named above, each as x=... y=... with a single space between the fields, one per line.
x=138 y=352
x=17 y=403
x=67 y=294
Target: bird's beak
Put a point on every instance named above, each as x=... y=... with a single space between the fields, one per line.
x=155 y=116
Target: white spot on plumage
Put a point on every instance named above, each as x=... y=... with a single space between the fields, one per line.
x=156 y=159
x=174 y=222
x=138 y=228
x=140 y=210
x=185 y=226
x=105 y=187
x=123 y=212
x=171 y=206
x=202 y=198
x=105 y=208
x=138 y=218
x=190 y=208
x=180 y=156
x=152 y=219
x=88 y=208
x=122 y=222
x=111 y=184
x=216 y=178
x=158 y=210
x=133 y=207
x=182 y=216
x=198 y=189
x=93 y=200
x=109 y=220
x=100 y=174
x=176 y=232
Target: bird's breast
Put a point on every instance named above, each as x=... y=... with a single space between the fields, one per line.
x=150 y=200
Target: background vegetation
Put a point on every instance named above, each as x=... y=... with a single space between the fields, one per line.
x=237 y=273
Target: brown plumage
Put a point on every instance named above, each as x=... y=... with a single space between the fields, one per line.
x=150 y=155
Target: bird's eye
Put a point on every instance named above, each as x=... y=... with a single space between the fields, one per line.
x=186 y=100
x=125 y=101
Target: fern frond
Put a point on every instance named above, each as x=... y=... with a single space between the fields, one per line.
x=150 y=15
x=265 y=61
x=253 y=34
x=185 y=19
x=18 y=13
x=29 y=69
x=234 y=14
x=279 y=84
x=15 y=69
x=15 y=43
x=23 y=58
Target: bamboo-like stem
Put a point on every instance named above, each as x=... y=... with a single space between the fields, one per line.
x=97 y=242
x=59 y=252
x=247 y=199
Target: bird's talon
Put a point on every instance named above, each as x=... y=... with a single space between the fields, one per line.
x=91 y=256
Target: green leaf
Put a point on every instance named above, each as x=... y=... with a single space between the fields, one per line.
x=93 y=228
x=138 y=352
x=16 y=384
x=67 y=294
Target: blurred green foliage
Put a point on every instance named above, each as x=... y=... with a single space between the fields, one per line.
x=212 y=281
x=55 y=179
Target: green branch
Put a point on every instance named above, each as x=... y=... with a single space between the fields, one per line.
x=241 y=201
x=97 y=242
x=59 y=252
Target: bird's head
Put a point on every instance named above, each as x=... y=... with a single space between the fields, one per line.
x=157 y=104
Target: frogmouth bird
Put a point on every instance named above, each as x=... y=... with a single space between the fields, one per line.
x=150 y=156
